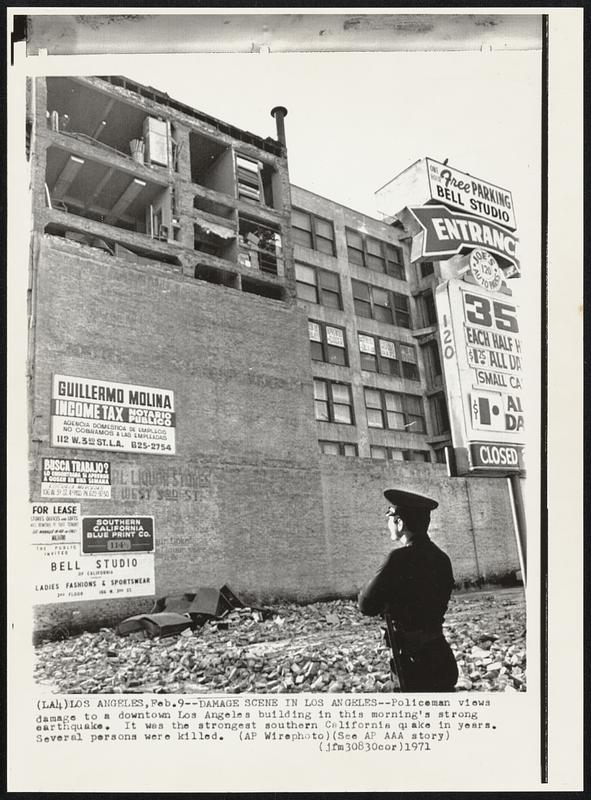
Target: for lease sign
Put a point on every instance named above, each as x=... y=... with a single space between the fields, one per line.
x=89 y=558
x=483 y=362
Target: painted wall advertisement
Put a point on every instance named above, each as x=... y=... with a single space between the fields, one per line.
x=482 y=355
x=90 y=558
x=90 y=414
x=72 y=477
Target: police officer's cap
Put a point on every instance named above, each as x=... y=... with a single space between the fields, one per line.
x=402 y=499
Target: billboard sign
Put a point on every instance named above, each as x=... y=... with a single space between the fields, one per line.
x=471 y=195
x=439 y=233
x=90 y=414
x=482 y=356
x=428 y=181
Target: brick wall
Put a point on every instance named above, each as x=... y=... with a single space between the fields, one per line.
x=473 y=522
x=247 y=499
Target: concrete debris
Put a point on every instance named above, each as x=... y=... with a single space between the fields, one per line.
x=254 y=652
x=165 y=623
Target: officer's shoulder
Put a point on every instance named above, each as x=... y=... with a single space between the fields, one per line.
x=398 y=555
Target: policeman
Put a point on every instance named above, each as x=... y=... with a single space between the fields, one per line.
x=413 y=586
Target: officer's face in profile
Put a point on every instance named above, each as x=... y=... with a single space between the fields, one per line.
x=395 y=526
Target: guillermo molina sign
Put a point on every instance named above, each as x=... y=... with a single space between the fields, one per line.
x=482 y=357
x=440 y=233
x=90 y=414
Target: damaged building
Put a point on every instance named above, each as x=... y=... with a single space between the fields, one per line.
x=271 y=360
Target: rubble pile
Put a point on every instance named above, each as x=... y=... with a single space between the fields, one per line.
x=322 y=647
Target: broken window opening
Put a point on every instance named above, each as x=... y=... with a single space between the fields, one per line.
x=220 y=277
x=212 y=207
x=256 y=181
x=135 y=255
x=87 y=114
x=260 y=246
x=214 y=240
x=211 y=163
x=107 y=194
x=262 y=289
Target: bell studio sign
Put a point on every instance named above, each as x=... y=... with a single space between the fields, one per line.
x=439 y=233
x=472 y=195
x=482 y=358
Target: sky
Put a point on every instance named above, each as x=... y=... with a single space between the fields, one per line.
x=356 y=120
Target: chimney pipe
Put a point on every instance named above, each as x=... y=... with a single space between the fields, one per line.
x=280 y=112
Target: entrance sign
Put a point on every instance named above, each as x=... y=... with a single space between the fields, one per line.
x=482 y=359
x=440 y=233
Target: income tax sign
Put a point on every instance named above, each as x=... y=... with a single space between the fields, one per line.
x=483 y=363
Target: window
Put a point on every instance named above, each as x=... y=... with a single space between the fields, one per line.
x=396 y=454
x=381 y=304
x=333 y=402
x=327 y=343
x=426 y=268
x=313 y=232
x=388 y=357
x=318 y=286
x=394 y=410
x=440 y=456
x=439 y=412
x=249 y=180
x=259 y=245
x=427 y=309
x=365 y=251
x=337 y=448
x=432 y=362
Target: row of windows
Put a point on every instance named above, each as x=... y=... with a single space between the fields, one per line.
x=381 y=304
x=313 y=232
x=320 y=286
x=395 y=411
x=395 y=454
x=317 y=233
x=378 y=256
x=331 y=448
x=328 y=343
x=333 y=402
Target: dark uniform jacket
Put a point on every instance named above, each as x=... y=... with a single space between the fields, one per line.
x=414 y=585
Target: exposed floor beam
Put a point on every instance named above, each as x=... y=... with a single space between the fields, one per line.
x=66 y=176
x=128 y=196
x=103 y=121
x=99 y=187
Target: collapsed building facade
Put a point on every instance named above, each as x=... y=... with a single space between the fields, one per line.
x=246 y=366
